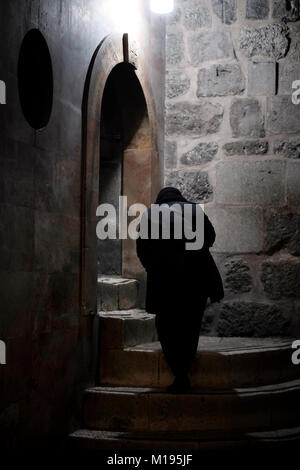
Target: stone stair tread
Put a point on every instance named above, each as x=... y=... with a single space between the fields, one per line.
x=130 y=314
x=115 y=280
x=182 y=441
x=288 y=433
x=230 y=345
x=261 y=389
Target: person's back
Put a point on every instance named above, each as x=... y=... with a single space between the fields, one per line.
x=179 y=280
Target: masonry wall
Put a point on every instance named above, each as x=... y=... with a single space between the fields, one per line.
x=233 y=142
x=49 y=345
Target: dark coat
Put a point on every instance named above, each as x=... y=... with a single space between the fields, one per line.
x=177 y=278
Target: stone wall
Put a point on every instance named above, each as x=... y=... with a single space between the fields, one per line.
x=233 y=142
x=49 y=344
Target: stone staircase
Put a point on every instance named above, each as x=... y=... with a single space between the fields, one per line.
x=245 y=391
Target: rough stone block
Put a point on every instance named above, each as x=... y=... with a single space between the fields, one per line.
x=225 y=10
x=281 y=278
x=293 y=183
x=108 y=296
x=286 y=10
x=288 y=149
x=175 y=16
x=202 y=153
x=289 y=74
x=196 y=14
x=220 y=80
x=250 y=147
x=170 y=154
x=239 y=230
x=270 y=41
x=252 y=319
x=294 y=52
x=257 y=9
x=237 y=275
x=246 y=118
x=177 y=83
x=128 y=294
x=282 y=115
x=282 y=231
x=193 y=119
x=174 y=49
x=256 y=182
x=195 y=186
x=209 y=46
x=261 y=78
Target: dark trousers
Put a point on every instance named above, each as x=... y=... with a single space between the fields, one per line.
x=178 y=332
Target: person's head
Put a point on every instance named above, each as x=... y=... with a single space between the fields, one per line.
x=169 y=194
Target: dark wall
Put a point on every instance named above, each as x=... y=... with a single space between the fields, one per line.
x=49 y=345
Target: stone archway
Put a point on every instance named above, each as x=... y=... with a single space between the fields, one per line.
x=113 y=50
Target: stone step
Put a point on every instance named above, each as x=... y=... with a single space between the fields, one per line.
x=93 y=440
x=142 y=409
x=117 y=293
x=221 y=363
x=127 y=328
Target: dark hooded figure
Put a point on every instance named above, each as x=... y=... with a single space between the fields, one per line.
x=179 y=281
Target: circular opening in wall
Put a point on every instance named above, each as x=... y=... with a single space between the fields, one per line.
x=35 y=79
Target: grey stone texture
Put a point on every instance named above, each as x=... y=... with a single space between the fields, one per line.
x=209 y=46
x=252 y=319
x=256 y=182
x=195 y=186
x=282 y=232
x=246 y=118
x=193 y=119
x=237 y=276
x=220 y=80
x=289 y=73
x=170 y=154
x=294 y=52
x=270 y=41
x=257 y=9
x=283 y=117
x=202 y=153
x=238 y=229
x=175 y=16
x=196 y=14
x=288 y=148
x=117 y=294
x=281 y=279
x=248 y=147
x=175 y=49
x=225 y=10
x=177 y=83
x=293 y=186
x=286 y=10
x=262 y=78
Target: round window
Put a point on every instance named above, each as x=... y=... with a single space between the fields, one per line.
x=35 y=79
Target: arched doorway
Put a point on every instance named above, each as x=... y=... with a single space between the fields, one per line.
x=119 y=156
x=125 y=161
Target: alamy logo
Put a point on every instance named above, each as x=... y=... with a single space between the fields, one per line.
x=296 y=93
x=182 y=223
x=2 y=352
x=2 y=92
x=296 y=354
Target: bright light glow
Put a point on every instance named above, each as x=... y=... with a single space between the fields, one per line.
x=162 y=6
x=125 y=14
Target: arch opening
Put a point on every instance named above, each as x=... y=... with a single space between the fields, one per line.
x=125 y=162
